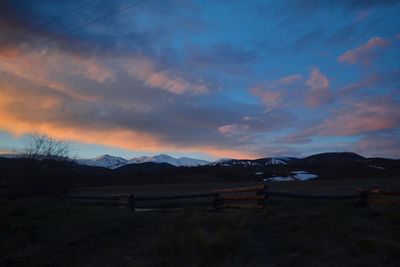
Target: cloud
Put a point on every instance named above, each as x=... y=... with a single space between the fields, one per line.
x=231 y=130
x=385 y=144
x=359 y=117
x=224 y=57
x=365 y=83
x=291 y=79
x=123 y=112
x=385 y=81
x=273 y=93
x=270 y=98
x=319 y=92
x=144 y=70
x=301 y=137
x=369 y=116
x=364 y=53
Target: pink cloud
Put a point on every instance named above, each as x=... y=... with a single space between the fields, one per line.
x=362 y=15
x=319 y=92
x=364 y=53
x=272 y=99
x=382 y=145
x=272 y=93
x=362 y=117
x=291 y=79
x=146 y=71
x=357 y=118
x=367 y=82
x=231 y=130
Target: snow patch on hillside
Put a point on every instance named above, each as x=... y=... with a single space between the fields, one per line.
x=303 y=175
x=279 y=179
x=275 y=161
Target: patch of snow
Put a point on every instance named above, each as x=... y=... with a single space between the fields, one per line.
x=10 y=156
x=258 y=173
x=279 y=179
x=377 y=167
x=303 y=175
x=275 y=161
x=221 y=161
x=105 y=161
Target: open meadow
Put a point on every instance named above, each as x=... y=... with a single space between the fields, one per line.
x=59 y=232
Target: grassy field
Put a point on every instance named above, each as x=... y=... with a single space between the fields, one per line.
x=48 y=232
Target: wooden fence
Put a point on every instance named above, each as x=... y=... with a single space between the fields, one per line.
x=380 y=196
x=252 y=197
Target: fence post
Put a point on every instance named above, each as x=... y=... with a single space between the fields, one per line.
x=131 y=202
x=217 y=201
x=115 y=201
x=363 y=201
x=261 y=192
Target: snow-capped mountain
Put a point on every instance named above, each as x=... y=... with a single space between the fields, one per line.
x=185 y=161
x=276 y=161
x=106 y=161
x=112 y=162
x=232 y=162
x=162 y=158
x=249 y=162
x=10 y=156
x=221 y=162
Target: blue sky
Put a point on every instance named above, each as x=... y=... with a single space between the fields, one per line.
x=207 y=79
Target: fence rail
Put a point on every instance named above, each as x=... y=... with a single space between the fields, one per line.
x=239 y=198
x=312 y=196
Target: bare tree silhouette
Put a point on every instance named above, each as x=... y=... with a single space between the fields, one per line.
x=44 y=148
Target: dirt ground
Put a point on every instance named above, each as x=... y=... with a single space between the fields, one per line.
x=49 y=232
x=311 y=186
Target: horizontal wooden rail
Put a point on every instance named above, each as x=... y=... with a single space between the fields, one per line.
x=241 y=206
x=378 y=191
x=96 y=197
x=200 y=195
x=242 y=189
x=242 y=197
x=383 y=202
x=311 y=196
x=230 y=198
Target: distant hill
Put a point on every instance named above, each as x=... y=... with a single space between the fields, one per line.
x=334 y=157
x=146 y=167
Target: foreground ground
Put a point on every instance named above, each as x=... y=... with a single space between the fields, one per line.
x=47 y=232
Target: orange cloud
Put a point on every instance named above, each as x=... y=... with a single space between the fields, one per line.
x=118 y=138
x=144 y=70
x=54 y=69
x=364 y=53
x=48 y=91
x=362 y=117
x=23 y=112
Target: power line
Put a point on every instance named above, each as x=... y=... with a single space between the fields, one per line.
x=79 y=28
x=46 y=23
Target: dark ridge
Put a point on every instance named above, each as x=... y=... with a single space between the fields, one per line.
x=333 y=157
x=146 y=167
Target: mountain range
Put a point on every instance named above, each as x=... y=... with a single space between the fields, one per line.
x=112 y=162
x=112 y=170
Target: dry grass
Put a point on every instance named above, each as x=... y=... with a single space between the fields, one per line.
x=46 y=232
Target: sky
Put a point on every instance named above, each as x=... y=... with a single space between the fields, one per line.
x=204 y=79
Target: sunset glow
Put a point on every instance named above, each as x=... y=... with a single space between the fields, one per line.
x=210 y=78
